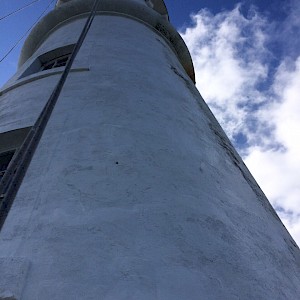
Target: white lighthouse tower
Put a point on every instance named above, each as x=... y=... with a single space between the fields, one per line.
x=118 y=182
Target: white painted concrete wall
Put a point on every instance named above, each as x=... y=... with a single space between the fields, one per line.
x=134 y=191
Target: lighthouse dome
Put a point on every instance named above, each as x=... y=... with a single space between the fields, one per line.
x=157 y=5
x=151 y=12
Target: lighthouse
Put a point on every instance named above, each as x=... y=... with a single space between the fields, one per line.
x=117 y=180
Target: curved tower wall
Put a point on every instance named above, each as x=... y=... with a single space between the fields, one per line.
x=134 y=191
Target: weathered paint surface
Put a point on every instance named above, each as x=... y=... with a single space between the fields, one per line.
x=134 y=191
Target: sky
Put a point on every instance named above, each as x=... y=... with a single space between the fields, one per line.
x=246 y=56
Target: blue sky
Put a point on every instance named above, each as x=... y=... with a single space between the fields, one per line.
x=247 y=61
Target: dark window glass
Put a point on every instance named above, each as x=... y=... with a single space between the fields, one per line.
x=5 y=159
x=62 y=61
x=57 y=62
x=48 y=65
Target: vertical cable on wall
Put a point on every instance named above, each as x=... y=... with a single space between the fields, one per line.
x=14 y=175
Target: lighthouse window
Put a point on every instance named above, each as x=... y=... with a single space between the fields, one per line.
x=56 y=62
x=5 y=159
x=56 y=58
x=10 y=142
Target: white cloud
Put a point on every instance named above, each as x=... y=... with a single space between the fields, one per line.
x=229 y=55
x=278 y=171
x=236 y=78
